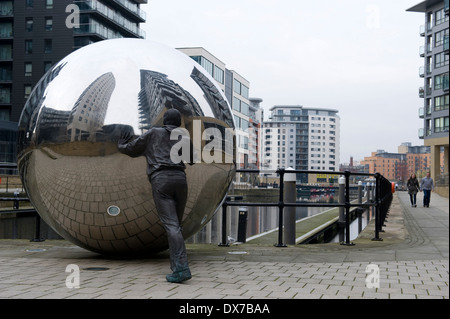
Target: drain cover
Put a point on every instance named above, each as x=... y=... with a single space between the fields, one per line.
x=237 y=252
x=35 y=250
x=96 y=268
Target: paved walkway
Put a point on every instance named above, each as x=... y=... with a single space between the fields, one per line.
x=412 y=261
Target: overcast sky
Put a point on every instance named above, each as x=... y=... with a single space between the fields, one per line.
x=360 y=57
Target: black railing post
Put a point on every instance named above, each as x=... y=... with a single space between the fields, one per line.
x=347 y=209
x=37 y=231
x=224 y=242
x=377 y=207
x=280 y=210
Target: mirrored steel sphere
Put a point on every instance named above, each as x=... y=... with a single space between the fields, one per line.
x=78 y=181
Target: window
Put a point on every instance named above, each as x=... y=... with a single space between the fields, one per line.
x=441 y=102
x=439 y=37
x=4 y=114
x=6 y=30
x=5 y=51
x=236 y=86
x=48 y=44
x=28 y=46
x=441 y=124
x=28 y=69
x=29 y=3
x=5 y=95
x=219 y=74
x=27 y=90
x=48 y=24
x=49 y=4
x=440 y=60
x=236 y=104
x=440 y=17
x=6 y=8
x=29 y=24
x=47 y=66
x=439 y=81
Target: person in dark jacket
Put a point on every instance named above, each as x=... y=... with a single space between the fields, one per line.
x=413 y=187
x=169 y=185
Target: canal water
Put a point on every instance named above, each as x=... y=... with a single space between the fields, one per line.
x=264 y=219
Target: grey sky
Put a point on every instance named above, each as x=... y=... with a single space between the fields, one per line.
x=358 y=56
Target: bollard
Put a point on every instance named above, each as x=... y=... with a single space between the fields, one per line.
x=347 y=210
x=360 y=192
x=280 y=210
x=37 y=232
x=290 y=196
x=242 y=225
x=341 y=199
x=224 y=242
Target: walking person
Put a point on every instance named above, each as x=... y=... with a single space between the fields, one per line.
x=169 y=186
x=427 y=186
x=413 y=187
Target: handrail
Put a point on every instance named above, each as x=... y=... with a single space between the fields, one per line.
x=382 y=202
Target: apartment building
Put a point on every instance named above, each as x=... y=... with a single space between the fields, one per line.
x=435 y=92
x=247 y=111
x=301 y=138
x=36 y=34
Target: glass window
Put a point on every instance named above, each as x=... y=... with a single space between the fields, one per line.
x=28 y=69
x=441 y=102
x=207 y=65
x=219 y=74
x=244 y=108
x=244 y=125
x=48 y=45
x=4 y=113
x=6 y=8
x=29 y=24
x=47 y=66
x=29 y=3
x=49 y=4
x=236 y=86
x=48 y=24
x=6 y=30
x=27 y=90
x=439 y=81
x=236 y=104
x=5 y=95
x=441 y=124
x=441 y=17
x=5 y=51
x=439 y=37
x=244 y=91
x=28 y=46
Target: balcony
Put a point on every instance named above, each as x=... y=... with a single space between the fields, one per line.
x=421 y=112
x=112 y=16
x=421 y=71
x=421 y=92
x=422 y=51
x=421 y=134
x=422 y=30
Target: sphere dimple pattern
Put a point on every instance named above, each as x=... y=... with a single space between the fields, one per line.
x=78 y=181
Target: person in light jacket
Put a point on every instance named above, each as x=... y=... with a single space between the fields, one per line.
x=427 y=186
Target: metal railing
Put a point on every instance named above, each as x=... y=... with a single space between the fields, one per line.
x=381 y=202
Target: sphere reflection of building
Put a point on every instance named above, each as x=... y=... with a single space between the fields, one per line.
x=71 y=168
